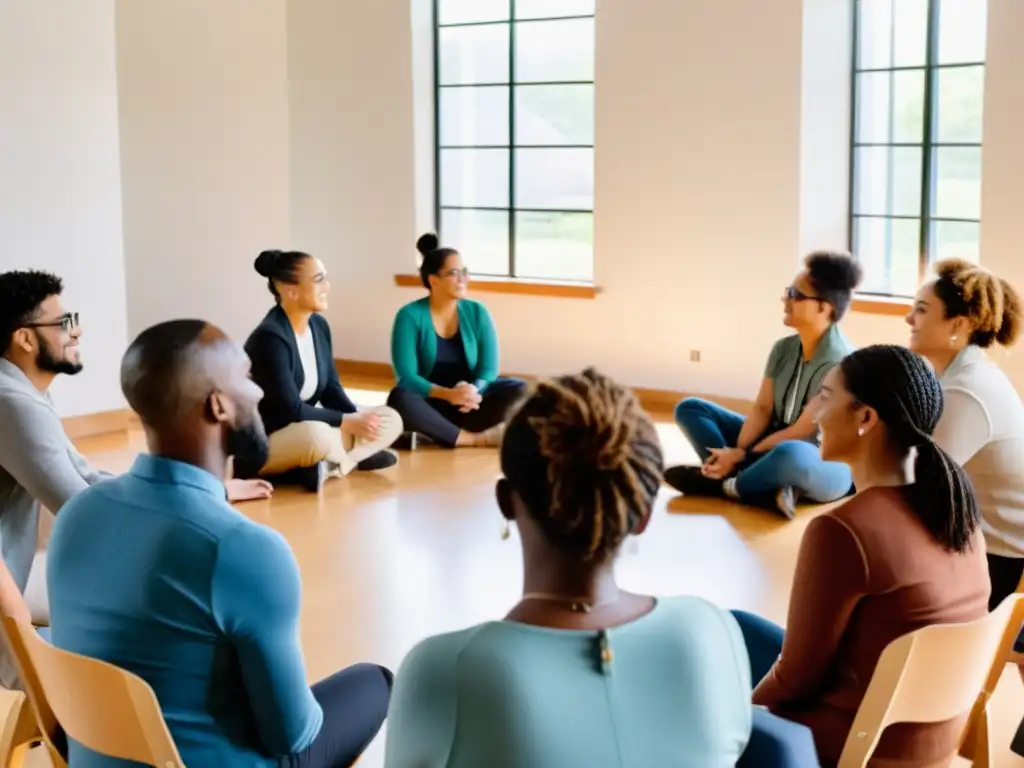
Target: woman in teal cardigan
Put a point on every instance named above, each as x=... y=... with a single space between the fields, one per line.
x=445 y=354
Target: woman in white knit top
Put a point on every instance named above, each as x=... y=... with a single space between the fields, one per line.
x=957 y=316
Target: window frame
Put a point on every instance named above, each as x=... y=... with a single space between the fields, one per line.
x=931 y=70
x=512 y=147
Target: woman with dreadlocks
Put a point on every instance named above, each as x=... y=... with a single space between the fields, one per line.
x=580 y=672
x=904 y=553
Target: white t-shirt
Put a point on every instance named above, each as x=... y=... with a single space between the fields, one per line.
x=307 y=354
x=982 y=428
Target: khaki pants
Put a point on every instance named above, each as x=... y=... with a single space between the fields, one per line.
x=305 y=443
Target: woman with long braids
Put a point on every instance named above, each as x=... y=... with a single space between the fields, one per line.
x=904 y=553
x=579 y=672
x=964 y=311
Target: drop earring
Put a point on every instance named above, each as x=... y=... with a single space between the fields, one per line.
x=506 y=531
x=860 y=432
x=952 y=340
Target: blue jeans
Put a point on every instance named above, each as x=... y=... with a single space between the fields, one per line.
x=792 y=463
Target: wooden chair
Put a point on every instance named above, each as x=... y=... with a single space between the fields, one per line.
x=105 y=708
x=916 y=681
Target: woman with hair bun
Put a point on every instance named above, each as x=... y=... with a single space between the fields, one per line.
x=315 y=430
x=770 y=457
x=956 y=317
x=444 y=350
x=906 y=552
x=579 y=672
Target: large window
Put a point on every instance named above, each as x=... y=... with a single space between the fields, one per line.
x=918 y=85
x=515 y=135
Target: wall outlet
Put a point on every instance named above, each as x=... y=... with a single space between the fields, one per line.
x=694 y=355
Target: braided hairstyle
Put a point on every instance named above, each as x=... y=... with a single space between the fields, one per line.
x=902 y=388
x=990 y=303
x=586 y=461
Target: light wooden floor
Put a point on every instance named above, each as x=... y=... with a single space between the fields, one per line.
x=389 y=558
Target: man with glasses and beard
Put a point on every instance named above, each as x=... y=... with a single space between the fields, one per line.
x=156 y=573
x=38 y=464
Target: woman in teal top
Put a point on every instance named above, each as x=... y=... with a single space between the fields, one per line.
x=445 y=354
x=770 y=457
x=580 y=672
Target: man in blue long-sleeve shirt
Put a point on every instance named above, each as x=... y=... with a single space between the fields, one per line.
x=155 y=572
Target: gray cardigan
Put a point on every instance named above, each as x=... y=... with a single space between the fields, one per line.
x=38 y=467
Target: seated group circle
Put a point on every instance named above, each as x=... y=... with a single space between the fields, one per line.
x=203 y=602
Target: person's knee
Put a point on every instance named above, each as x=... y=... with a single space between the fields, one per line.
x=391 y=423
x=689 y=407
x=398 y=399
x=320 y=439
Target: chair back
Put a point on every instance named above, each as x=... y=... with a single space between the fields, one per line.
x=102 y=707
x=931 y=675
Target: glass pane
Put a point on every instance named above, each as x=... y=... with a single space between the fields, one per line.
x=957 y=183
x=888 y=181
x=890 y=107
x=962 y=30
x=555 y=246
x=474 y=116
x=547 y=9
x=555 y=50
x=473 y=54
x=960 y=92
x=474 y=177
x=555 y=114
x=955 y=239
x=463 y=11
x=892 y=33
x=555 y=178
x=481 y=237
x=889 y=251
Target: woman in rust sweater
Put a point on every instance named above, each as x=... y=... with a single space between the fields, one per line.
x=904 y=553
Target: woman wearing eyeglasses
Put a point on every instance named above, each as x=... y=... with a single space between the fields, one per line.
x=444 y=350
x=770 y=458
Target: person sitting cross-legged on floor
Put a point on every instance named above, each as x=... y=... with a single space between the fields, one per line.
x=906 y=552
x=156 y=573
x=580 y=672
x=444 y=350
x=316 y=431
x=770 y=458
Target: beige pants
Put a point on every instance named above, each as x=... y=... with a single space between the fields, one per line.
x=305 y=443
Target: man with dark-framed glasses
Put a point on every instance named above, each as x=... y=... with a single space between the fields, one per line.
x=39 y=466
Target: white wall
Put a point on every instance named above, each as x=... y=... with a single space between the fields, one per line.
x=60 y=190
x=722 y=156
x=204 y=153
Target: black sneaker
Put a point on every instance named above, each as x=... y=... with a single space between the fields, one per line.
x=407 y=441
x=689 y=480
x=379 y=460
x=308 y=478
x=782 y=501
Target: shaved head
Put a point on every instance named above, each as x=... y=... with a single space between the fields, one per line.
x=188 y=382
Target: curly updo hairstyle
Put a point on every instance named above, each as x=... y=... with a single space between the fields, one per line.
x=586 y=461
x=834 y=275
x=990 y=303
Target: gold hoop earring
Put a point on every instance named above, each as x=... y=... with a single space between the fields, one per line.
x=506 y=531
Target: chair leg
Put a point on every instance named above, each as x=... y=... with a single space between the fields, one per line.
x=20 y=733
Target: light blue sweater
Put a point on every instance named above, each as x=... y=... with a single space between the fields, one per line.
x=507 y=695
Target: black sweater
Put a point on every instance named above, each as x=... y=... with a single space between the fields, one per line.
x=277 y=369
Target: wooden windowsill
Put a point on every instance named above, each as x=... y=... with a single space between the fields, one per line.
x=521 y=287
x=882 y=305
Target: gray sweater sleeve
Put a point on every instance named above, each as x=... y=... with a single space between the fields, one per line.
x=38 y=454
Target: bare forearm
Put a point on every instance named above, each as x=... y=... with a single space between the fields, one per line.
x=793 y=432
x=440 y=393
x=753 y=427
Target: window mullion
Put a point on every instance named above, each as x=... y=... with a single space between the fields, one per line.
x=928 y=180
x=512 y=139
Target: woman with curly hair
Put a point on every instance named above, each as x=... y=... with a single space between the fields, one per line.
x=580 y=672
x=958 y=315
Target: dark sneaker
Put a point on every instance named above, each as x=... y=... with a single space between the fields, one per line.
x=407 y=441
x=689 y=480
x=783 y=501
x=379 y=460
x=309 y=478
